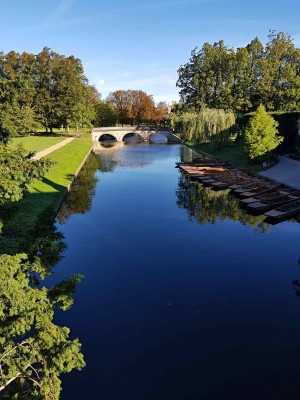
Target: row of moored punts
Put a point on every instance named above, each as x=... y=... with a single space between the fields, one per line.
x=259 y=195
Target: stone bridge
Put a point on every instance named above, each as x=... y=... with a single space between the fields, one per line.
x=144 y=132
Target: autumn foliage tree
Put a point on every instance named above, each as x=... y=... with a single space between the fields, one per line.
x=136 y=107
x=160 y=112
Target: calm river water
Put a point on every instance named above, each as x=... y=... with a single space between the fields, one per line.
x=185 y=296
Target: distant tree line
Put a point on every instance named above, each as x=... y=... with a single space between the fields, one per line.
x=217 y=76
x=129 y=107
x=42 y=91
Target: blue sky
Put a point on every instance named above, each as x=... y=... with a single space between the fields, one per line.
x=138 y=44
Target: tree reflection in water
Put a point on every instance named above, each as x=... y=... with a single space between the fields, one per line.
x=79 y=199
x=205 y=205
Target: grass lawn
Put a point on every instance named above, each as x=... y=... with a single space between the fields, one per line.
x=234 y=154
x=37 y=143
x=47 y=192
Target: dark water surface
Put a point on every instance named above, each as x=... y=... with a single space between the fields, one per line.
x=185 y=296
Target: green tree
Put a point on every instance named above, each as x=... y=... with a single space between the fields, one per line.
x=105 y=114
x=216 y=76
x=17 y=94
x=279 y=81
x=34 y=351
x=63 y=94
x=261 y=134
x=207 y=79
x=73 y=97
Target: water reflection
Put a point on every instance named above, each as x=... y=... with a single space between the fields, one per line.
x=187 y=154
x=205 y=205
x=210 y=304
x=137 y=155
x=79 y=199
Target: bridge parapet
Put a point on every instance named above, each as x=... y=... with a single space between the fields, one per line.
x=144 y=132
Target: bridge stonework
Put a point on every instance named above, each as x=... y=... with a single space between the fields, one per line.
x=145 y=133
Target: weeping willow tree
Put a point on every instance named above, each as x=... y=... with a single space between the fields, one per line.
x=207 y=125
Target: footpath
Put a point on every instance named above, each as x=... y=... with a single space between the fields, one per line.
x=49 y=150
x=287 y=171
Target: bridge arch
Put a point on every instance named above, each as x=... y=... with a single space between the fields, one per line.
x=106 y=136
x=132 y=136
x=159 y=137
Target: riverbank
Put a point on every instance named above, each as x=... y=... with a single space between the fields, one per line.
x=233 y=154
x=45 y=194
x=285 y=171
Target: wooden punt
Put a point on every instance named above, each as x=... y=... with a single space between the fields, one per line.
x=207 y=182
x=220 y=185
x=285 y=211
x=251 y=185
x=272 y=195
x=264 y=188
x=267 y=196
x=244 y=183
x=266 y=205
x=198 y=164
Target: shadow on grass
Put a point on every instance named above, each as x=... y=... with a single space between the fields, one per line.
x=20 y=219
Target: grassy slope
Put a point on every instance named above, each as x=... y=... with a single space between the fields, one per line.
x=47 y=192
x=37 y=143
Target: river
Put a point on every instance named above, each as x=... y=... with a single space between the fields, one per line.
x=185 y=296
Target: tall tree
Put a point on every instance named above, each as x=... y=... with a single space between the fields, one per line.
x=279 y=82
x=219 y=77
x=17 y=94
x=63 y=95
x=45 y=101
x=206 y=80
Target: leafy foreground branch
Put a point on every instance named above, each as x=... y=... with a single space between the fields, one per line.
x=18 y=171
x=34 y=351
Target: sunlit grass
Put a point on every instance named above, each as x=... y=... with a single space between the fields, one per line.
x=36 y=143
x=48 y=192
